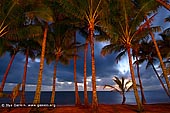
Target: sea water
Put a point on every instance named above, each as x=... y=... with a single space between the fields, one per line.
x=104 y=97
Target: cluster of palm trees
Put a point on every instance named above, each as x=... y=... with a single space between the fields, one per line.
x=47 y=29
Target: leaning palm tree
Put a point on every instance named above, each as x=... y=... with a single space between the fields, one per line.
x=127 y=17
x=43 y=15
x=135 y=55
x=123 y=87
x=89 y=13
x=159 y=55
x=147 y=53
x=13 y=48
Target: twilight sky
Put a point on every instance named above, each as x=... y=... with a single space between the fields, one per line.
x=106 y=69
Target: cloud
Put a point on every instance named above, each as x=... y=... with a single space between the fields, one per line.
x=106 y=68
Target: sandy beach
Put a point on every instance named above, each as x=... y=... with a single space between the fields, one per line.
x=117 y=108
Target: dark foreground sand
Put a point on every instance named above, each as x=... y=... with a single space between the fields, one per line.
x=149 y=108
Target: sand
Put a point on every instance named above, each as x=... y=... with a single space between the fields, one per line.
x=103 y=108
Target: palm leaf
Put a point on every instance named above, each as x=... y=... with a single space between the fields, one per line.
x=112 y=87
x=108 y=49
x=118 y=57
x=122 y=84
x=118 y=82
x=131 y=87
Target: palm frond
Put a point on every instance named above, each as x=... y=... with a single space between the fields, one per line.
x=118 y=57
x=108 y=49
x=131 y=87
x=118 y=82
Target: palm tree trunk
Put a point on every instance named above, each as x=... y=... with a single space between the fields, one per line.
x=85 y=75
x=140 y=82
x=161 y=61
x=94 y=93
x=162 y=2
x=77 y=101
x=140 y=107
x=124 y=98
x=39 y=82
x=160 y=80
x=54 y=80
x=159 y=57
x=24 y=78
x=6 y=73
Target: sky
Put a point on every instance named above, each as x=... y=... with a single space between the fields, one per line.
x=106 y=69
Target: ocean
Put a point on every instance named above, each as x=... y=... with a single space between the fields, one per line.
x=104 y=97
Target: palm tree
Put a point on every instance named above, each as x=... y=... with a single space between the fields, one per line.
x=85 y=35
x=159 y=55
x=90 y=13
x=61 y=47
x=77 y=101
x=30 y=48
x=135 y=54
x=147 y=53
x=127 y=16
x=17 y=33
x=123 y=87
x=164 y=42
x=44 y=15
x=85 y=74
x=13 y=49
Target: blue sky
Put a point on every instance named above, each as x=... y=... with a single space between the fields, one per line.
x=106 y=69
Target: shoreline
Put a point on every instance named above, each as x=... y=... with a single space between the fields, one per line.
x=103 y=108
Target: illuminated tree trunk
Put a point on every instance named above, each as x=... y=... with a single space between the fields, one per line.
x=160 y=80
x=24 y=78
x=77 y=101
x=140 y=82
x=140 y=107
x=94 y=93
x=159 y=57
x=85 y=75
x=39 y=82
x=54 y=80
x=161 y=61
x=6 y=73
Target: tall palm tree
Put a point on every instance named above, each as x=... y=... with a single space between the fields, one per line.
x=17 y=32
x=44 y=15
x=13 y=49
x=85 y=74
x=77 y=97
x=147 y=53
x=135 y=54
x=159 y=56
x=60 y=47
x=30 y=48
x=127 y=16
x=122 y=88
x=90 y=13
x=85 y=35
